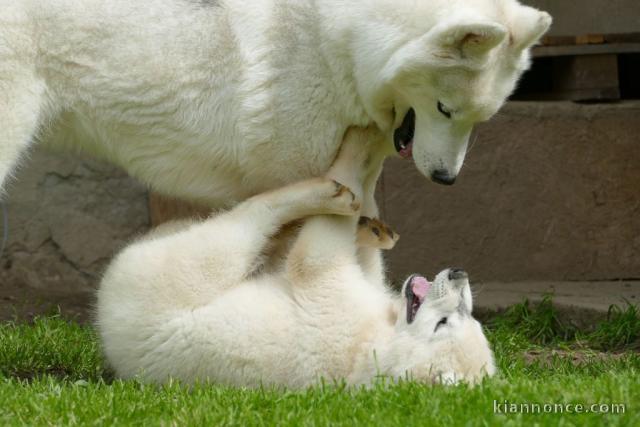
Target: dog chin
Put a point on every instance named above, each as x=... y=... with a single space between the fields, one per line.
x=420 y=161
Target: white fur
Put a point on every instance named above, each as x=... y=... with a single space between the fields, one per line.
x=190 y=303
x=220 y=100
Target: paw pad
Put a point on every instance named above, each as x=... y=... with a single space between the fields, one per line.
x=341 y=189
x=374 y=233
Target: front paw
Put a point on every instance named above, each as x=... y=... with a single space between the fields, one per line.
x=373 y=233
x=344 y=200
x=330 y=197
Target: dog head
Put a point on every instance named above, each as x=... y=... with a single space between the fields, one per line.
x=436 y=84
x=437 y=339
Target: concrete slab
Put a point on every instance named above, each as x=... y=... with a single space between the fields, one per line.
x=581 y=304
x=597 y=296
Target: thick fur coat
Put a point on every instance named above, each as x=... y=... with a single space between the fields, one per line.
x=220 y=100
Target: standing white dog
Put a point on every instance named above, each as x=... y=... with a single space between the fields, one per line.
x=218 y=100
x=189 y=304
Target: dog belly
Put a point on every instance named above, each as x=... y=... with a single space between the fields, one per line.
x=241 y=338
x=216 y=170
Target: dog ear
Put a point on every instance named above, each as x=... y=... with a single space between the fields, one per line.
x=527 y=26
x=465 y=41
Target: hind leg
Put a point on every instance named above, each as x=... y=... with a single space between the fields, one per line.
x=20 y=109
x=21 y=89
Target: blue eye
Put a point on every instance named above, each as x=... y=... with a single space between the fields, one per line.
x=444 y=110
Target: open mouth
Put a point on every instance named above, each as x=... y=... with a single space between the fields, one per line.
x=415 y=292
x=403 y=136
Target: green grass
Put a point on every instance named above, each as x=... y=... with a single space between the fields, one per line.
x=52 y=373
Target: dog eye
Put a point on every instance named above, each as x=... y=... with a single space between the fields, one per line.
x=441 y=322
x=444 y=110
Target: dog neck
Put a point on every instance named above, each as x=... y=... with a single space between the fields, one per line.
x=337 y=48
x=372 y=360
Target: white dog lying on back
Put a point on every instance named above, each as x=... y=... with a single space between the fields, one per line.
x=193 y=305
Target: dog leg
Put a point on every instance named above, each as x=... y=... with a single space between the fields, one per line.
x=200 y=261
x=374 y=234
x=21 y=90
x=21 y=102
x=370 y=256
x=327 y=244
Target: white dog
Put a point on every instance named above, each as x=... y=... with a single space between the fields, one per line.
x=218 y=100
x=192 y=304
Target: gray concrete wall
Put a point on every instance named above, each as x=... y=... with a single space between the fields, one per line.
x=549 y=191
x=67 y=216
x=578 y=17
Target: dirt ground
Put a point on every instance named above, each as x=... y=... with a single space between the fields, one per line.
x=22 y=304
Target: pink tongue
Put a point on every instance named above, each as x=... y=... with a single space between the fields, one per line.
x=407 y=152
x=420 y=287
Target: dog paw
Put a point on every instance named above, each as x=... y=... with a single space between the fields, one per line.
x=342 y=190
x=336 y=198
x=373 y=233
x=345 y=197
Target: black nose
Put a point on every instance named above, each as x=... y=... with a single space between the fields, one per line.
x=457 y=273
x=442 y=176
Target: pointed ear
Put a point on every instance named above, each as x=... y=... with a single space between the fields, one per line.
x=446 y=44
x=528 y=25
x=466 y=40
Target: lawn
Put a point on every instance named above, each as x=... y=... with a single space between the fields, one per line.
x=51 y=373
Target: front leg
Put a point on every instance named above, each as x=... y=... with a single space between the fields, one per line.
x=327 y=244
x=370 y=256
x=375 y=234
x=238 y=238
x=189 y=265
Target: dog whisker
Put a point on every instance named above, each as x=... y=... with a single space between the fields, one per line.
x=473 y=143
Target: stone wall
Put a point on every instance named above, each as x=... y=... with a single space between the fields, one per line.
x=549 y=191
x=575 y=18
x=67 y=216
